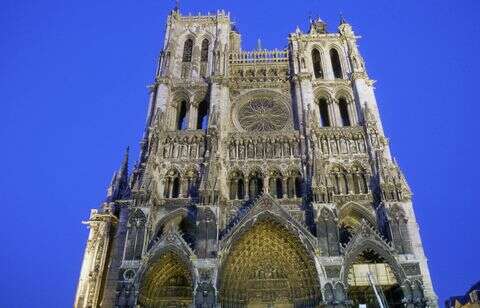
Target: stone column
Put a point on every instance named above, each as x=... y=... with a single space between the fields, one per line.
x=332 y=112
x=94 y=264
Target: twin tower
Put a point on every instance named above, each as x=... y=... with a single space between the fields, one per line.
x=265 y=180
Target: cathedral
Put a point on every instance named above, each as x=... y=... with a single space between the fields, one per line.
x=265 y=179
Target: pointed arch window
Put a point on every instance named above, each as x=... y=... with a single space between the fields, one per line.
x=202 y=117
x=336 y=65
x=182 y=116
x=135 y=236
x=175 y=187
x=204 y=53
x=317 y=64
x=187 y=51
x=344 y=115
x=324 y=116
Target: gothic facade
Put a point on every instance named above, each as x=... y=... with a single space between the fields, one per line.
x=265 y=180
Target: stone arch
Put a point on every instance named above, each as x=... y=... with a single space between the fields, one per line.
x=361 y=212
x=342 y=91
x=351 y=217
x=172 y=183
x=174 y=217
x=181 y=104
x=166 y=279
x=322 y=92
x=181 y=220
x=378 y=247
x=368 y=253
x=281 y=271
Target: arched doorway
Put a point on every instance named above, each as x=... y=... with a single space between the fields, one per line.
x=269 y=267
x=370 y=270
x=167 y=283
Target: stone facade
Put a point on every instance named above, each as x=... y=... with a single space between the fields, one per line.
x=265 y=180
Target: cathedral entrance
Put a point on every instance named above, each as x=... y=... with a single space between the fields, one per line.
x=269 y=267
x=370 y=269
x=168 y=283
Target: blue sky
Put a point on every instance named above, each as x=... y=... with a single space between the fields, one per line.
x=73 y=77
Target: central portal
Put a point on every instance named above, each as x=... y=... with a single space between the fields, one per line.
x=268 y=266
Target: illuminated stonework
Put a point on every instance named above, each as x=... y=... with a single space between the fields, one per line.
x=268 y=265
x=168 y=283
x=265 y=180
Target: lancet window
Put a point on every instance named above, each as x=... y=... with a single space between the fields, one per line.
x=336 y=65
x=204 y=58
x=182 y=121
x=324 y=114
x=135 y=236
x=344 y=114
x=202 y=116
x=317 y=64
x=204 y=52
x=187 y=51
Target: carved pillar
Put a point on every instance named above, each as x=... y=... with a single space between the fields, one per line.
x=192 y=115
x=94 y=265
x=184 y=187
x=332 y=112
x=352 y=112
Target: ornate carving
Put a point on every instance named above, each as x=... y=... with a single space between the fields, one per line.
x=263 y=115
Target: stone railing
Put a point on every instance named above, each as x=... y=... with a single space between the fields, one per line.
x=260 y=56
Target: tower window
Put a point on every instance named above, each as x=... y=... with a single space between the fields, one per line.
x=336 y=66
x=317 y=64
x=298 y=187
x=187 y=51
x=204 y=53
x=240 y=189
x=324 y=117
x=182 y=116
x=343 y=106
x=202 y=118
x=279 y=188
x=176 y=188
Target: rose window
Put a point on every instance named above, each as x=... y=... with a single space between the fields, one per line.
x=263 y=115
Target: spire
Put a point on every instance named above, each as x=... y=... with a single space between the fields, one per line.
x=177 y=6
x=259 y=44
x=342 y=19
x=123 y=171
x=119 y=187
